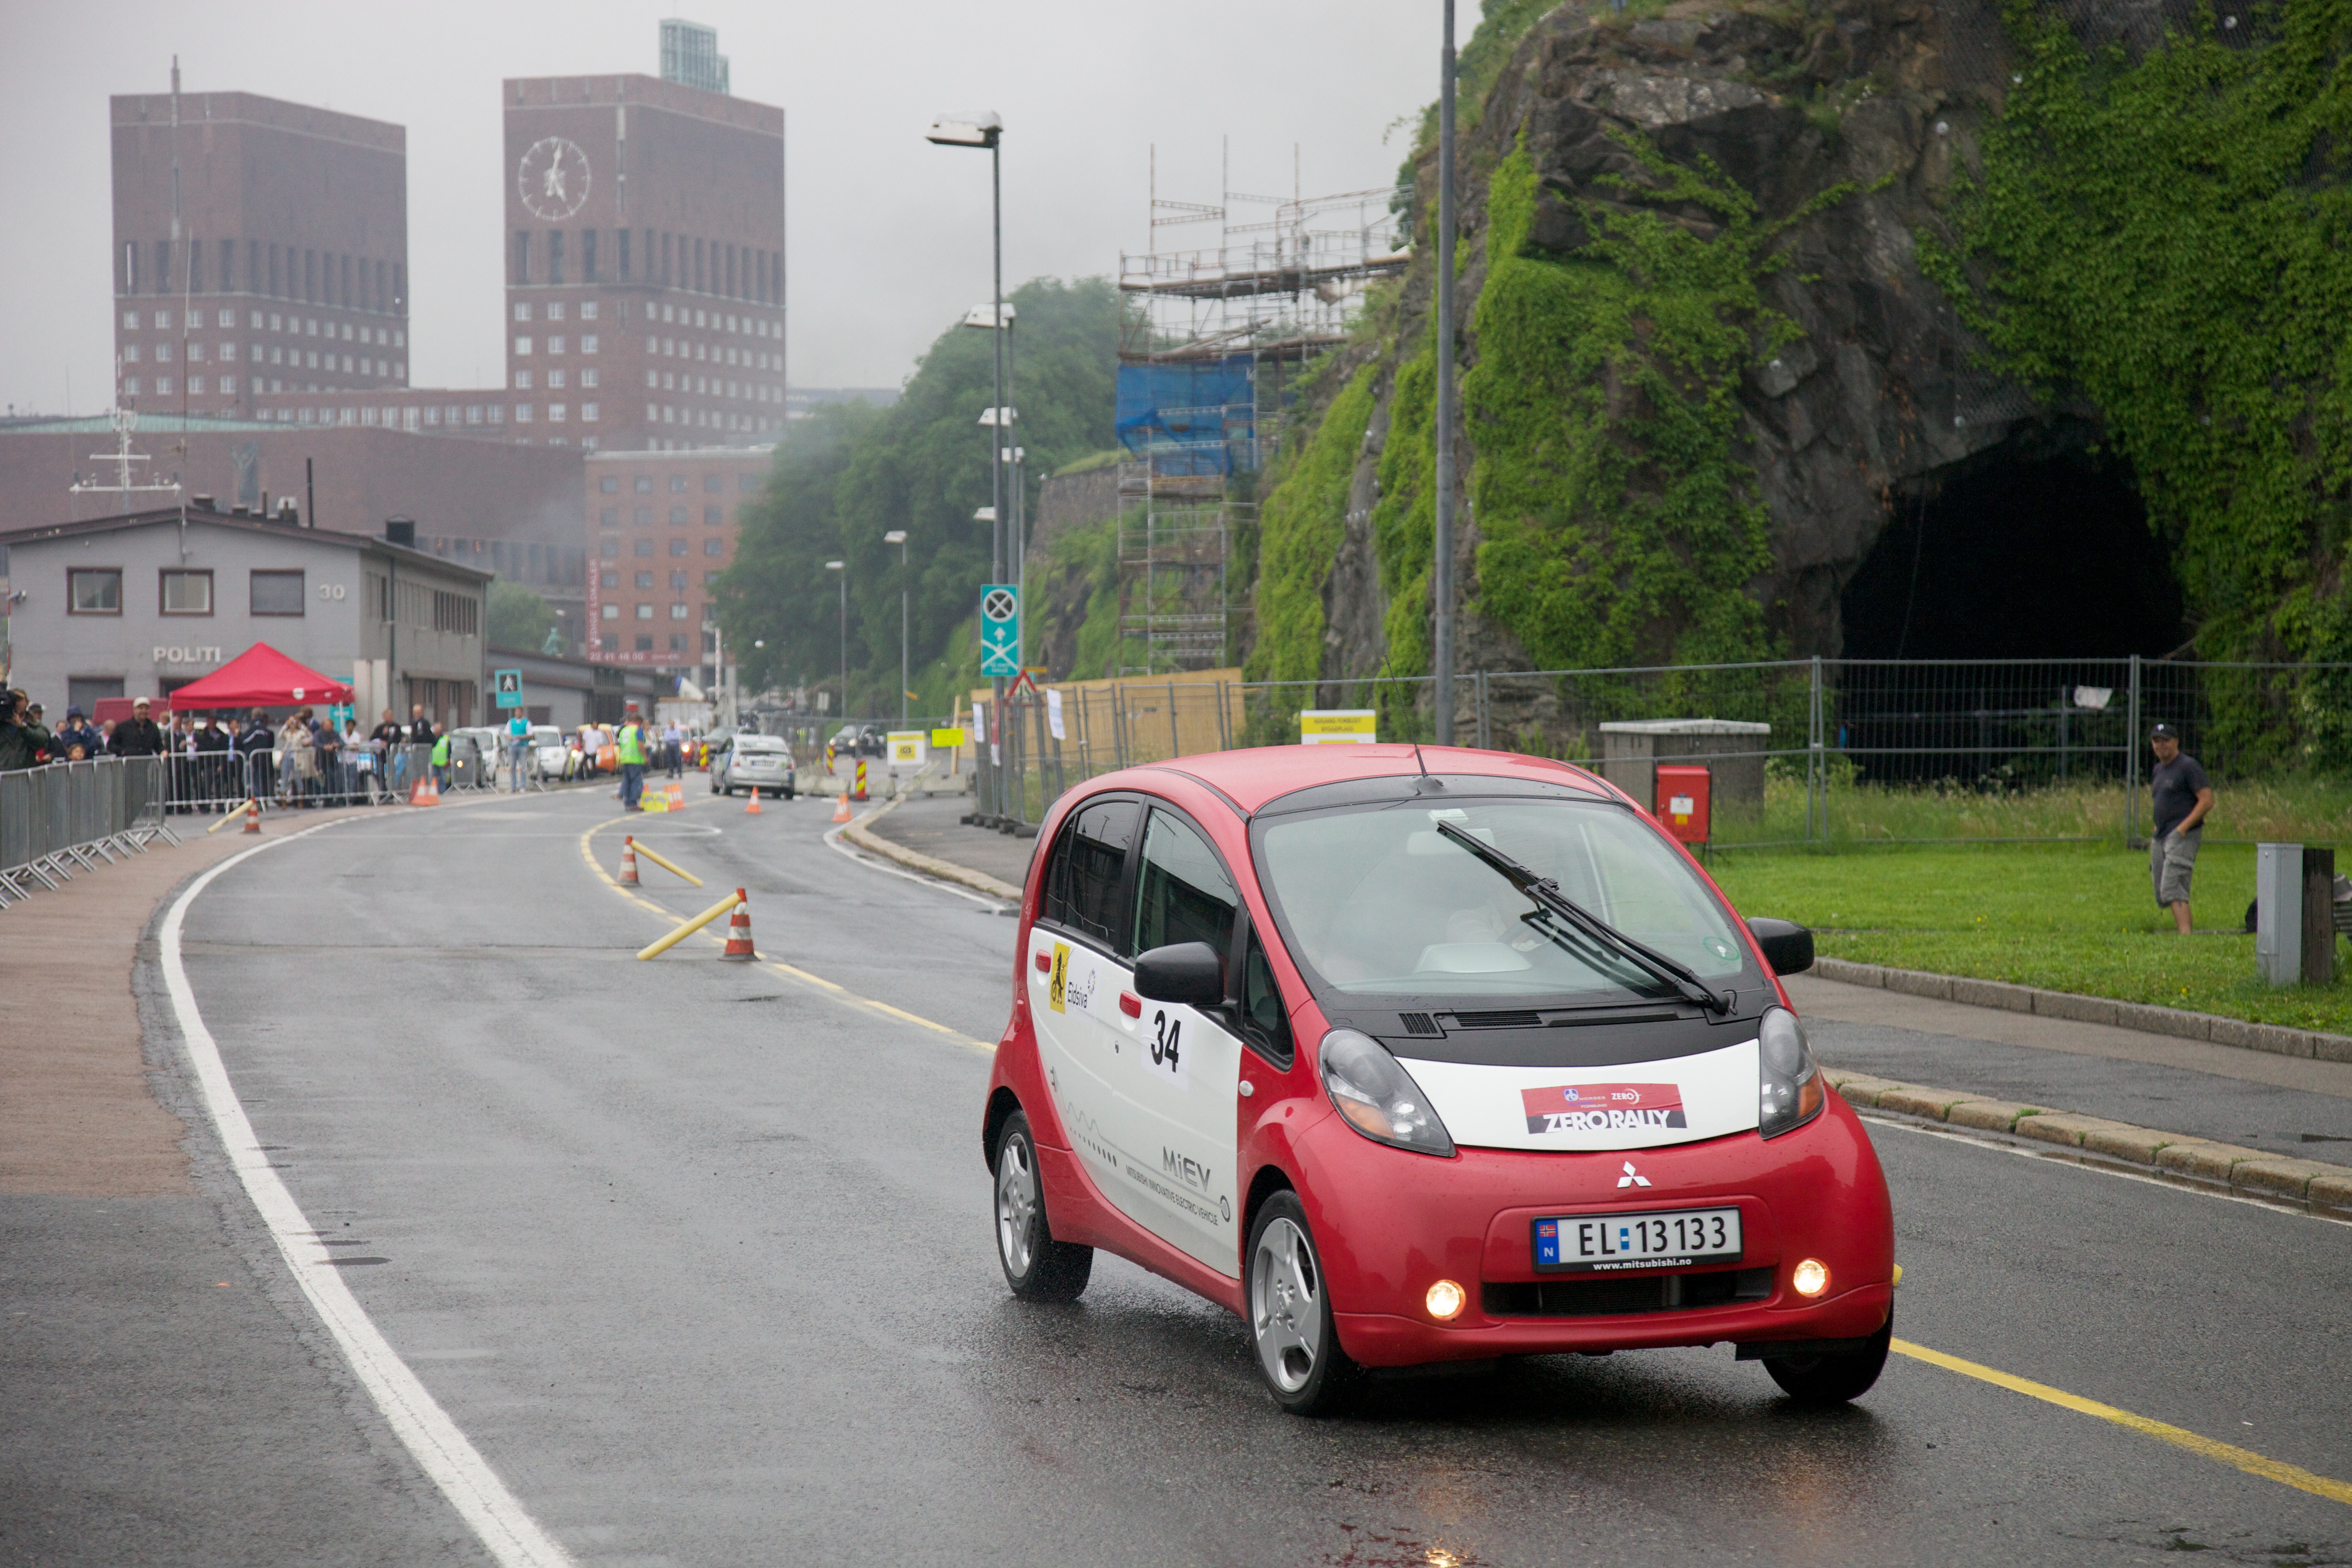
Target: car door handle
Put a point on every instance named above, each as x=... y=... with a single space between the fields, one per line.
x=1130 y=1004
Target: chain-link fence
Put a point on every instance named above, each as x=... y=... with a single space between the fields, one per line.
x=1803 y=751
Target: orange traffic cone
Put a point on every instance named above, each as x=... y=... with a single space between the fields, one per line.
x=738 y=929
x=841 y=809
x=752 y=807
x=676 y=796
x=252 y=816
x=861 y=779
x=628 y=860
x=423 y=792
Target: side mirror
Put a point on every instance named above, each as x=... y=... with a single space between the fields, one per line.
x=1191 y=973
x=1788 y=946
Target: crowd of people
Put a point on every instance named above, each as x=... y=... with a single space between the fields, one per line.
x=220 y=759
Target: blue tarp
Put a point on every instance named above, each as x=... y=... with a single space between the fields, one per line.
x=1194 y=419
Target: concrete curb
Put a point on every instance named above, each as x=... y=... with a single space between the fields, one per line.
x=931 y=866
x=2310 y=1181
x=2275 y=1039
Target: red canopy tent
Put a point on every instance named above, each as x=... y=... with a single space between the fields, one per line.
x=260 y=676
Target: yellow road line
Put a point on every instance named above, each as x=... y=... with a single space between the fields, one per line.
x=2246 y=1459
x=814 y=982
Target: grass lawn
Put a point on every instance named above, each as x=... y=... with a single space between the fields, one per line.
x=2078 y=918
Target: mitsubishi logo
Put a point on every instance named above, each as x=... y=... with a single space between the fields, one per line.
x=1632 y=1178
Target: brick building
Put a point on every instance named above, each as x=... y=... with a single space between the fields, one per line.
x=645 y=266
x=260 y=247
x=663 y=526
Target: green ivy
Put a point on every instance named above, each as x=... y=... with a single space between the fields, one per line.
x=2173 y=237
x=1404 y=537
x=1301 y=528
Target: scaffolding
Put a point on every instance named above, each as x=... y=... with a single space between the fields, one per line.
x=1206 y=335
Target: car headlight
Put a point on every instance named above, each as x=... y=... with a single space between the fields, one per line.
x=1789 y=1089
x=1378 y=1097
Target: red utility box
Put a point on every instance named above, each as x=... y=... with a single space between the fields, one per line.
x=1681 y=805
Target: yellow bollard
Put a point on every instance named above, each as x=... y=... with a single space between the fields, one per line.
x=690 y=927
x=654 y=855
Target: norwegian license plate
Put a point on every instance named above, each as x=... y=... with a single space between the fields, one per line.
x=1661 y=1239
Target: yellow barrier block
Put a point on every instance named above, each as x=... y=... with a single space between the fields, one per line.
x=690 y=927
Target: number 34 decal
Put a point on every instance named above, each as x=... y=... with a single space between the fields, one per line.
x=1167 y=1045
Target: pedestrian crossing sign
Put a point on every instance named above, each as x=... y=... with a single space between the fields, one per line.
x=1000 y=630
x=509 y=686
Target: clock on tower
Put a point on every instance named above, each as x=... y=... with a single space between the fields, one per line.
x=553 y=178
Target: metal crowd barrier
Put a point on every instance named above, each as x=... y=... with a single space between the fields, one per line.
x=75 y=817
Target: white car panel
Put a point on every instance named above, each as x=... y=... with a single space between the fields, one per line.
x=1634 y=1105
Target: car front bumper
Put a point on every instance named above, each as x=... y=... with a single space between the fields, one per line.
x=1388 y=1231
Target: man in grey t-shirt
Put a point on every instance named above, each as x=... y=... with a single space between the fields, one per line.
x=2182 y=795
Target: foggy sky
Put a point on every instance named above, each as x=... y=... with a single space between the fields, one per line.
x=889 y=233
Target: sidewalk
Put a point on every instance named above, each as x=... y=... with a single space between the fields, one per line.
x=932 y=825
x=166 y=1395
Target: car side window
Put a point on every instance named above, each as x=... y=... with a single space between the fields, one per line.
x=1082 y=884
x=1182 y=892
x=1265 y=1022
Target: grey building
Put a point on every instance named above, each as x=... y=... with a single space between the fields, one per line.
x=140 y=606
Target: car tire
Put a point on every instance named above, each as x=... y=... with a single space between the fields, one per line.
x=1037 y=1267
x=1289 y=1313
x=1822 y=1380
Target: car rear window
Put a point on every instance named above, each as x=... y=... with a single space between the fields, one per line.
x=1377 y=904
x=758 y=744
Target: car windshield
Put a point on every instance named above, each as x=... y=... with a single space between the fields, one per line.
x=1376 y=901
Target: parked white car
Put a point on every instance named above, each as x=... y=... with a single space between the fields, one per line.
x=743 y=762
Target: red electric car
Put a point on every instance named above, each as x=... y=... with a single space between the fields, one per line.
x=1412 y=1056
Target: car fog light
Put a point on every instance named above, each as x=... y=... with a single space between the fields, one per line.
x=1445 y=1301
x=1811 y=1278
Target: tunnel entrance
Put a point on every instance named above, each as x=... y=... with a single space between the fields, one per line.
x=2028 y=556
x=2050 y=557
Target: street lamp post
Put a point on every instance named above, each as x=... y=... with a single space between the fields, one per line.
x=1441 y=574
x=843 y=567
x=985 y=128
x=897 y=536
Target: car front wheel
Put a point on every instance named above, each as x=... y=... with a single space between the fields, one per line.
x=1038 y=1268
x=1290 y=1319
x=1832 y=1379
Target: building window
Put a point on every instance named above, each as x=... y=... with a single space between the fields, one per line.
x=185 y=593
x=522 y=381
x=587 y=343
x=609 y=613
x=162 y=386
x=522 y=263
x=523 y=346
x=555 y=256
x=588 y=378
x=645 y=644
x=196 y=385
x=555 y=379
x=713 y=515
x=645 y=547
x=747 y=484
x=610 y=484
x=608 y=579
x=276 y=594
x=677 y=612
x=679 y=547
x=588 y=313
x=555 y=413
x=645 y=579
x=608 y=547
x=713 y=483
x=645 y=484
x=522 y=413
x=94 y=591
x=162 y=353
x=676 y=516
x=554 y=345
x=610 y=517
x=714 y=546
x=131 y=354
x=588 y=411
x=644 y=612
x=677 y=642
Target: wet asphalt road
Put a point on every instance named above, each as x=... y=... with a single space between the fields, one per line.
x=698 y=1257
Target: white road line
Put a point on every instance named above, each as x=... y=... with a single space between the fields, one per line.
x=512 y=1536
x=2055 y=1156
x=873 y=863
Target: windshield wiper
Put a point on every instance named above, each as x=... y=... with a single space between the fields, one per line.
x=1549 y=897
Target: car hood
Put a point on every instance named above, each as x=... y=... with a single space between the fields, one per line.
x=1632 y=1105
